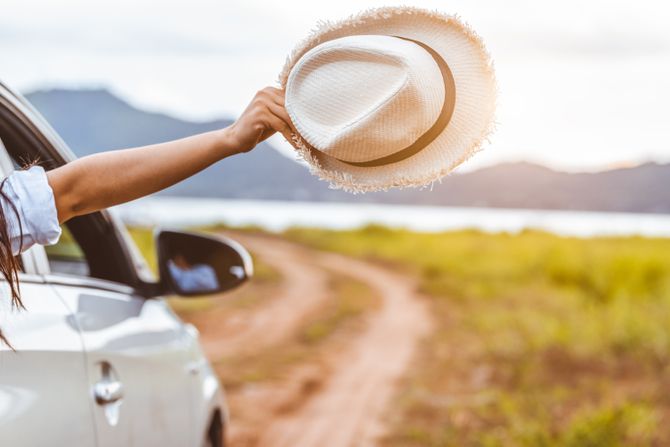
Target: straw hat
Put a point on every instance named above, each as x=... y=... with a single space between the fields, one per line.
x=391 y=97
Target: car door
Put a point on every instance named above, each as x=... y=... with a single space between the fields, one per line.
x=137 y=358
x=44 y=393
x=137 y=351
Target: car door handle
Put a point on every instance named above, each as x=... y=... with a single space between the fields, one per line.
x=108 y=392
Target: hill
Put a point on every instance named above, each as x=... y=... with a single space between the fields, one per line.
x=96 y=120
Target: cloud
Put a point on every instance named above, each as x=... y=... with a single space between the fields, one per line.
x=582 y=84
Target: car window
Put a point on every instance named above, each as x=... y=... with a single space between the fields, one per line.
x=105 y=252
x=67 y=257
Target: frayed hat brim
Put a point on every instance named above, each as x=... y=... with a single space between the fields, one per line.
x=476 y=93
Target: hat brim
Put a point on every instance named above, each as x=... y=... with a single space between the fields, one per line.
x=473 y=116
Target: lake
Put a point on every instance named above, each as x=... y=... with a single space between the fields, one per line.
x=279 y=215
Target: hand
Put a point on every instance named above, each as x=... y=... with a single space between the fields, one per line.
x=264 y=116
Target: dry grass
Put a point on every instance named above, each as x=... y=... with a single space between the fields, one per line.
x=540 y=340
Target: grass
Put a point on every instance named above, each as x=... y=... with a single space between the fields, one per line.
x=66 y=248
x=144 y=239
x=541 y=340
x=351 y=299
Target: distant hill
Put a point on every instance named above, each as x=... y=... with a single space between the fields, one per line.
x=96 y=120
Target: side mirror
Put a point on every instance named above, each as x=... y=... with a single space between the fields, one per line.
x=193 y=264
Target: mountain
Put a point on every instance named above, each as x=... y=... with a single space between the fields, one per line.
x=96 y=120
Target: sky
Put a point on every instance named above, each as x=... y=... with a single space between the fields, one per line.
x=584 y=85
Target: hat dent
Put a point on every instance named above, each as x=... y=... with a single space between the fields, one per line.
x=360 y=98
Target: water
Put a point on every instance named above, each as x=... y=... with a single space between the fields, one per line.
x=278 y=215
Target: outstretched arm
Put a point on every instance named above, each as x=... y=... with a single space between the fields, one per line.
x=105 y=179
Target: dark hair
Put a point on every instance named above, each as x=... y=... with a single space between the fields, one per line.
x=9 y=264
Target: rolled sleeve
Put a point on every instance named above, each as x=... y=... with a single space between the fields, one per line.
x=32 y=196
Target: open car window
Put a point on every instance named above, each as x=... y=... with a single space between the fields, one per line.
x=66 y=257
x=92 y=245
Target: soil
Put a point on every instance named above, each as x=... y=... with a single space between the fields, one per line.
x=342 y=398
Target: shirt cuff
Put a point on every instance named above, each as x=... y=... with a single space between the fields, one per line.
x=36 y=205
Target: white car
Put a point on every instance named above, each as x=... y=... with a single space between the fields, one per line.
x=100 y=358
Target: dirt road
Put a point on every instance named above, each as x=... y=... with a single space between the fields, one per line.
x=302 y=290
x=348 y=408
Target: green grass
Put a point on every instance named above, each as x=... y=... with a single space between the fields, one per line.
x=540 y=339
x=144 y=239
x=66 y=248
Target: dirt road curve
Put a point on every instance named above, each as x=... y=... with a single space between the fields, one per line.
x=348 y=409
x=302 y=291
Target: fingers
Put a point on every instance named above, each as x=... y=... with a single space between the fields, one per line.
x=274 y=101
x=278 y=124
x=277 y=95
x=269 y=109
x=281 y=112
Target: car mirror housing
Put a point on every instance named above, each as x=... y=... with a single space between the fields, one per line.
x=193 y=264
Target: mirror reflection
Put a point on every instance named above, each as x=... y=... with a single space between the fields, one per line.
x=194 y=264
x=192 y=277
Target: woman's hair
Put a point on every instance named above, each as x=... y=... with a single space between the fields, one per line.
x=9 y=264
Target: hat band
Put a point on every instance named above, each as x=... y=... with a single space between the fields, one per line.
x=435 y=130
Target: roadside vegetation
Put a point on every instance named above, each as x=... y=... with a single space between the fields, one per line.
x=540 y=340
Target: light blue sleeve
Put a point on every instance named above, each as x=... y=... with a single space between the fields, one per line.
x=32 y=196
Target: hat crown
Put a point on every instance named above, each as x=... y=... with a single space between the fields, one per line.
x=359 y=98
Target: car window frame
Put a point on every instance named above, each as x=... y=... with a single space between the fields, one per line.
x=20 y=121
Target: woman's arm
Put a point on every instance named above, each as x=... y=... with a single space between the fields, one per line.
x=109 y=178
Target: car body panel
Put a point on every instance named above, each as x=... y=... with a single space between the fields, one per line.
x=206 y=392
x=44 y=393
x=147 y=348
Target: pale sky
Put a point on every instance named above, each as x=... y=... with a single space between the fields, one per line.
x=584 y=85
